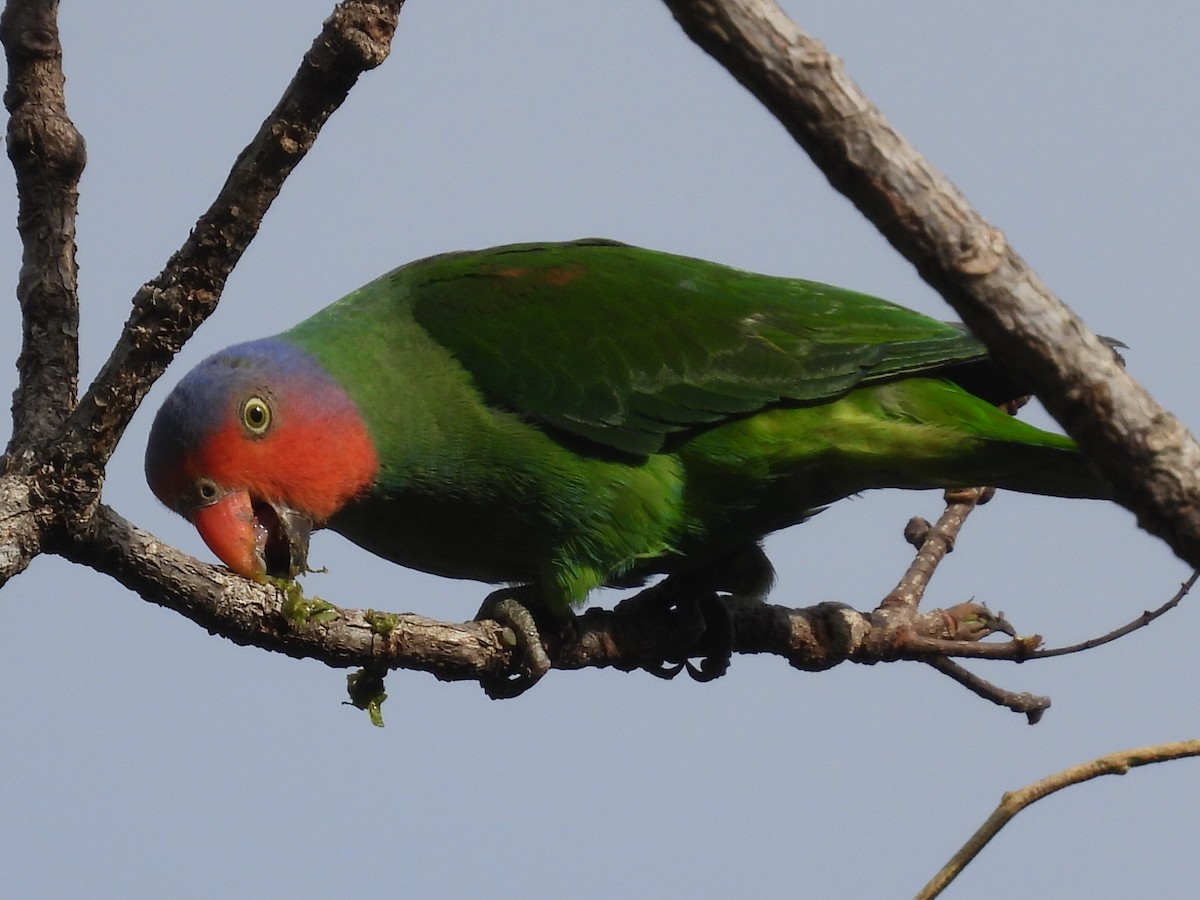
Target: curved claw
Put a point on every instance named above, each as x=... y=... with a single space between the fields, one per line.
x=710 y=668
x=530 y=660
x=665 y=672
x=718 y=639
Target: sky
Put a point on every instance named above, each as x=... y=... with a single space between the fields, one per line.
x=142 y=757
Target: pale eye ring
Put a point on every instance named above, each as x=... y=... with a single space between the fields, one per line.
x=256 y=416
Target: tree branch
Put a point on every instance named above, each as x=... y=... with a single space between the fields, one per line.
x=1032 y=705
x=264 y=615
x=629 y=637
x=1140 y=622
x=48 y=155
x=1149 y=458
x=22 y=524
x=933 y=543
x=1013 y=802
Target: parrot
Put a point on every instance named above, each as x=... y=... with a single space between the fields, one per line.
x=561 y=417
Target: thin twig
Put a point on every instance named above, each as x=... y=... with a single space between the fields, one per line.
x=1014 y=801
x=1032 y=705
x=935 y=544
x=1140 y=622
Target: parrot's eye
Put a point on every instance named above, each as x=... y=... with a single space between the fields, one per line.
x=256 y=416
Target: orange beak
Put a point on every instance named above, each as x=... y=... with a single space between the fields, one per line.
x=255 y=538
x=231 y=531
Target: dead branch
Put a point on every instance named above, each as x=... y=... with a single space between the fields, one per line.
x=1140 y=622
x=1013 y=802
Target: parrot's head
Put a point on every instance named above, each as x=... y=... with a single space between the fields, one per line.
x=256 y=446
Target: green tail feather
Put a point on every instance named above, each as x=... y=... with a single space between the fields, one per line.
x=915 y=433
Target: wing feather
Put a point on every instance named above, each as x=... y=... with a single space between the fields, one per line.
x=625 y=346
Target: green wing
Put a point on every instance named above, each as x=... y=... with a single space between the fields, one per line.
x=625 y=346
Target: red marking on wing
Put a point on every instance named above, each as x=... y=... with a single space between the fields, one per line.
x=555 y=275
x=561 y=275
x=512 y=271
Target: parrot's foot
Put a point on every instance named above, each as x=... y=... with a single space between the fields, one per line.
x=699 y=605
x=530 y=659
x=716 y=644
x=703 y=625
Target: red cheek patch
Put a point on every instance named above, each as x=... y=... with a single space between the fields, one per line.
x=312 y=464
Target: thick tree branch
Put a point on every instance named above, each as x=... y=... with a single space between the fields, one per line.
x=22 y=523
x=630 y=637
x=1014 y=801
x=48 y=155
x=1149 y=458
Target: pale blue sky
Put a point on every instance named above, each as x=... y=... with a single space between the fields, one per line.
x=141 y=757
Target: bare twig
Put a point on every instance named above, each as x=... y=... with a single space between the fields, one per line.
x=932 y=548
x=966 y=623
x=1013 y=802
x=1140 y=622
x=1032 y=705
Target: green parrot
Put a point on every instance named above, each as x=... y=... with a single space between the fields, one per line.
x=559 y=417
